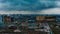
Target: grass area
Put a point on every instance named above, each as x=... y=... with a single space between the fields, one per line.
x=55 y=30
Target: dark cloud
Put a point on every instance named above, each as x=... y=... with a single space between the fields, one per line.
x=26 y=5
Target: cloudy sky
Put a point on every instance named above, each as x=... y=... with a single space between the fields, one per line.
x=30 y=6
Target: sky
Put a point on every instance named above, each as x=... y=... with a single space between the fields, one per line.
x=26 y=6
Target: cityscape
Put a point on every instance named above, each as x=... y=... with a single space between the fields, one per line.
x=30 y=16
x=30 y=24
